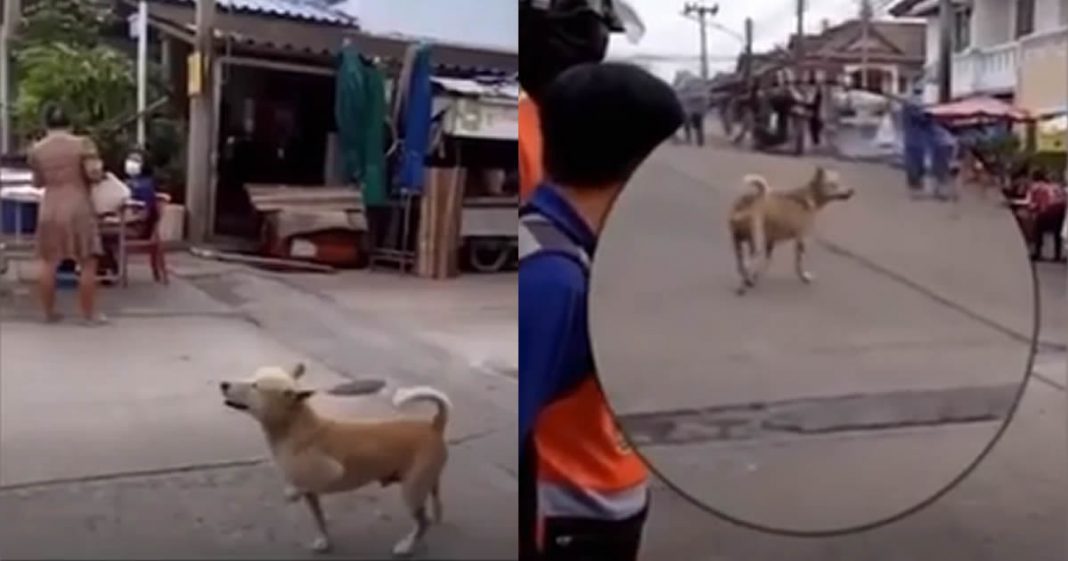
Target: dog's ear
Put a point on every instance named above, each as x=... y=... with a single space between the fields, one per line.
x=297 y=371
x=820 y=176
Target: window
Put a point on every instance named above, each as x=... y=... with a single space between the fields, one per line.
x=962 y=29
x=1025 y=17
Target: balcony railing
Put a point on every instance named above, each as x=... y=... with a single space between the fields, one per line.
x=996 y=70
x=988 y=70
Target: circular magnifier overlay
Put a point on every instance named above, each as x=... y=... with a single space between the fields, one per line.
x=817 y=406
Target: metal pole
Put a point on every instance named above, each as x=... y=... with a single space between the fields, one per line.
x=700 y=13
x=12 y=16
x=945 y=50
x=865 y=30
x=142 y=70
x=201 y=104
x=748 y=70
x=799 y=55
x=704 y=48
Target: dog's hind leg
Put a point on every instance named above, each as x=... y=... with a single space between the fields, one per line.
x=322 y=541
x=760 y=241
x=741 y=262
x=799 y=262
x=415 y=494
x=437 y=511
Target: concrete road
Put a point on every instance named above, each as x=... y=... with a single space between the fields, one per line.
x=114 y=442
x=934 y=300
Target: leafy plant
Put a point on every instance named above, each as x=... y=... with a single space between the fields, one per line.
x=65 y=56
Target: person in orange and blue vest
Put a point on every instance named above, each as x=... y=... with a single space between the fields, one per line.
x=599 y=122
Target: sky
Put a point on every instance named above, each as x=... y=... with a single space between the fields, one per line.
x=669 y=33
x=475 y=22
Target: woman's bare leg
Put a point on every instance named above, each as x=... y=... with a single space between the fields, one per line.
x=46 y=285
x=87 y=289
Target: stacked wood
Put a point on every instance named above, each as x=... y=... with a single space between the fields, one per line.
x=440 y=209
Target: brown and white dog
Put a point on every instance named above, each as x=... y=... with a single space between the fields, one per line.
x=763 y=218
x=319 y=455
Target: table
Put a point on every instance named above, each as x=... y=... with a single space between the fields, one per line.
x=18 y=246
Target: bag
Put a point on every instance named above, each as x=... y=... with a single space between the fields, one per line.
x=109 y=194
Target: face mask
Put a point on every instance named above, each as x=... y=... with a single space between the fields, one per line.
x=133 y=168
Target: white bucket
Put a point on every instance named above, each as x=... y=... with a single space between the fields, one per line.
x=172 y=223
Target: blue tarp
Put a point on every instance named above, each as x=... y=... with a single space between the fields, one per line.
x=415 y=123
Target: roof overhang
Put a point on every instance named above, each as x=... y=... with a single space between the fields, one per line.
x=265 y=35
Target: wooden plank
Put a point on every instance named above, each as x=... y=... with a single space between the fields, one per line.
x=439 y=223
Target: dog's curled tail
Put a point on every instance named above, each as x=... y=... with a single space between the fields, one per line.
x=757 y=182
x=404 y=396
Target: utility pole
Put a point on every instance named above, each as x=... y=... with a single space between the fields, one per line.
x=945 y=50
x=699 y=12
x=865 y=31
x=12 y=16
x=748 y=70
x=142 y=70
x=201 y=106
x=799 y=60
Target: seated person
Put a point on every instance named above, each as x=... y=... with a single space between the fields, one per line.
x=144 y=215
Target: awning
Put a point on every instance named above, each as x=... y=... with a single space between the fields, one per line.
x=979 y=108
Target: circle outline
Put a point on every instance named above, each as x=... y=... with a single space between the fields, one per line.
x=920 y=506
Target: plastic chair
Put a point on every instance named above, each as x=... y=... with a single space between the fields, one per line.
x=151 y=245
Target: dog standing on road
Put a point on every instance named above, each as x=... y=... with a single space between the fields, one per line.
x=761 y=219
x=318 y=455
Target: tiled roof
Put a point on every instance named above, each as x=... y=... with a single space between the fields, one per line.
x=306 y=10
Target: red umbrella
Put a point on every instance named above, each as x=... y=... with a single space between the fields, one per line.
x=978 y=108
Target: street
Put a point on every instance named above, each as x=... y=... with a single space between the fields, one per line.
x=863 y=393
x=116 y=440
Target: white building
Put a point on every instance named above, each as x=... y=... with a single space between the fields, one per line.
x=1014 y=49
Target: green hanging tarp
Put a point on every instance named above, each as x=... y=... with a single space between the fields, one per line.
x=360 y=113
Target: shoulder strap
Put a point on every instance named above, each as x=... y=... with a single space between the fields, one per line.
x=537 y=235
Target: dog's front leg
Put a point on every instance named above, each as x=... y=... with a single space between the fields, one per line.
x=322 y=540
x=799 y=262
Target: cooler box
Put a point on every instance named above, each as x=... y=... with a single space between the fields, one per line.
x=12 y=212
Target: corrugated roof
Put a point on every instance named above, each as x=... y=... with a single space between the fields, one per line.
x=307 y=10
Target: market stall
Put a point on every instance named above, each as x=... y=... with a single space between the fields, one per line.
x=468 y=212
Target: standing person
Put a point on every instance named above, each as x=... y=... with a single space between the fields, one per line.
x=554 y=36
x=943 y=148
x=915 y=124
x=66 y=166
x=694 y=95
x=591 y=487
x=815 y=118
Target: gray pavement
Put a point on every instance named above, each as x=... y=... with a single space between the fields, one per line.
x=115 y=438
x=918 y=297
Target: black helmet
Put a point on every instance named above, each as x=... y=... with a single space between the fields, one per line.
x=555 y=35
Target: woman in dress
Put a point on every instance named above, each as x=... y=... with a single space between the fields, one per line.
x=66 y=166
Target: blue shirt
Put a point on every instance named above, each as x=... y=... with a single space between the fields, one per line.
x=554 y=342
x=143 y=189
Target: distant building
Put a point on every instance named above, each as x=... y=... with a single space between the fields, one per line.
x=1013 y=49
x=895 y=57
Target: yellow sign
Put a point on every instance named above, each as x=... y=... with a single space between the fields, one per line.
x=195 y=67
